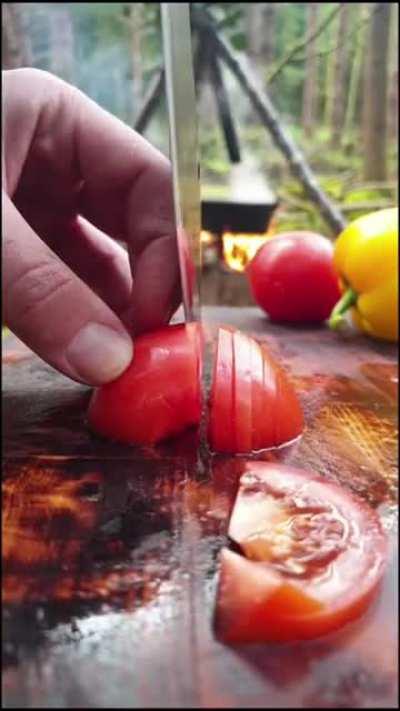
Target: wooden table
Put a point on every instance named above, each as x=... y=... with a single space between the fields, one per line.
x=110 y=553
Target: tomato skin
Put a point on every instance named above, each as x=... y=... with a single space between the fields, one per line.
x=158 y=395
x=313 y=558
x=293 y=279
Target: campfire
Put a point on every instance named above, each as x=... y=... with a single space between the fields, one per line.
x=233 y=232
x=239 y=249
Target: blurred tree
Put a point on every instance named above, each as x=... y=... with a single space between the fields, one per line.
x=260 y=25
x=134 y=14
x=16 y=49
x=62 y=44
x=339 y=76
x=310 y=86
x=375 y=94
x=360 y=12
x=393 y=90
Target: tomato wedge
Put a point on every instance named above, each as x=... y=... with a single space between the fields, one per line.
x=242 y=392
x=313 y=557
x=220 y=427
x=158 y=396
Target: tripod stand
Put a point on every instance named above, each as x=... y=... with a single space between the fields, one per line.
x=212 y=49
x=206 y=62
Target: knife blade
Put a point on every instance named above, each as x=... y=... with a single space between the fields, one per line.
x=181 y=105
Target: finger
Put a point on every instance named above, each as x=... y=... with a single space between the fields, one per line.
x=92 y=164
x=136 y=205
x=156 y=287
x=54 y=312
x=99 y=261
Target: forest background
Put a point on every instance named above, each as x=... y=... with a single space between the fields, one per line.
x=330 y=69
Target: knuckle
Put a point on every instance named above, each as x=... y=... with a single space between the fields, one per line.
x=35 y=287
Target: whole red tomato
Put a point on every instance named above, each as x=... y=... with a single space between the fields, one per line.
x=293 y=279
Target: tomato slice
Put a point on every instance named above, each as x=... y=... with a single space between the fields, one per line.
x=313 y=557
x=220 y=428
x=289 y=422
x=269 y=413
x=257 y=393
x=242 y=405
x=158 y=396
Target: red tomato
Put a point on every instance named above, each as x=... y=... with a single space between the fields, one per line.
x=158 y=396
x=314 y=557
x=221 y=403
x=292 y=277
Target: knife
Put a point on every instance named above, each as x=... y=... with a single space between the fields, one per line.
x=181 y=104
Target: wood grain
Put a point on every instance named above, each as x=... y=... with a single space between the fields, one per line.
x=110 y=553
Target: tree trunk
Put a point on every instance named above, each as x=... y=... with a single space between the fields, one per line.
x=339 y=80
x=62 y=44
x=361 y=13
x=134 y=12
x=393 y=91
x=329 y=72
x=375 y=94
x=260 y=33
x=16 y=50
x=311 y=73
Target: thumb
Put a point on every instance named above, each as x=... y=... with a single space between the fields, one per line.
x=55 y=313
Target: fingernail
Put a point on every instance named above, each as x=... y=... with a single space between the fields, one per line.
x=98 y=354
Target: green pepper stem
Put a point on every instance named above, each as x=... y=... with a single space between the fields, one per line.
x=348 y=299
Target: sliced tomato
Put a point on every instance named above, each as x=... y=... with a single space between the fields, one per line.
x=266 y=412
x=313 y=557
x=242 y=392
x=159 y=395
x=269 y=410
x=257 y=395
x=289 y=421
x=220 y=427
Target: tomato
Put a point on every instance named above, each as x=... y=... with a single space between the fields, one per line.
x=312 y=557
x=221 y=403
x=158 y=396
x=292 y=277
x=264 y=408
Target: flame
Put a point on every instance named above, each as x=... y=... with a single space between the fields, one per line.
x=207 y=238
x=239 y=249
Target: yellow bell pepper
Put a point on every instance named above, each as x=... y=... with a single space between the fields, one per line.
x=366 y=259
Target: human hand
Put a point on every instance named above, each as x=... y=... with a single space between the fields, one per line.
x=75 y=179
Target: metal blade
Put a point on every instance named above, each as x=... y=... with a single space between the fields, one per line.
x=181 y=101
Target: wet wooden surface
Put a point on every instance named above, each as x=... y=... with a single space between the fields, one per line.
x=110 y=553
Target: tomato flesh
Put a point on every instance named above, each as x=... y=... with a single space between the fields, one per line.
x=158 y=396
x=221 y=427
x=313 y=557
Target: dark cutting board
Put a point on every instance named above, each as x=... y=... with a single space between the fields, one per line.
x=110 y=553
